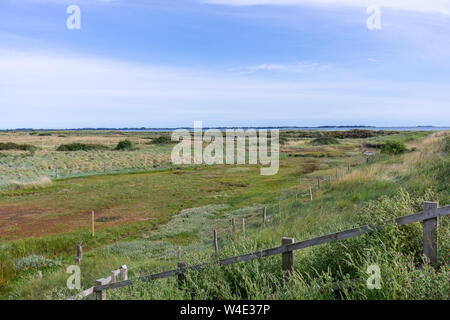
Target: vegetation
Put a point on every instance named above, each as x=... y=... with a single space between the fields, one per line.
x=124 y=145
x=81 y=147
x=394 y=147
x=15 y=146
x=162 y=140
x=324 y=141
x=179 y=207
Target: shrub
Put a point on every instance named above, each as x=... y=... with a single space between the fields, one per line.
x=35 y=262
x=394 y=147
x=81 y=147
x=324 y=140
x=14 y=146
x=124 y=145
x=162 y=140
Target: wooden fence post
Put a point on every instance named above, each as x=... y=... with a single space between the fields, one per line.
x=216 y=244
x=287 y=258
x=318 y=183
x=243 y=226
x=179 y=253
x=93 y=223
x=123 y=273
x=430 y=239
x=79 y=252
x=264 y=215
x=336 y=173
x=101 y=294
x=113 y=276
x=233 y=226
x=310 y=193
x=56 y=173
x=181 y=276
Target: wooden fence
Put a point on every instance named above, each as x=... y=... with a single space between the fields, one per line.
x=429 y=217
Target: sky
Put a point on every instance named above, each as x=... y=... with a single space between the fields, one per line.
x=167 y=63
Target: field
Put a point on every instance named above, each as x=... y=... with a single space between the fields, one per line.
x=146 y=209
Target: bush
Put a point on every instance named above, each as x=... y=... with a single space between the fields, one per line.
x=324 y=140
x=81 y=147
x=394 y=147
x=35 y=262
x=162 y=140
x=124 y=145
x=14 y=146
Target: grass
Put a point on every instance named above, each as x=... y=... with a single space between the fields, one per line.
x=142 y=219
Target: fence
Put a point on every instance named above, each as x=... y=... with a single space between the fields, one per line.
x=429 y=217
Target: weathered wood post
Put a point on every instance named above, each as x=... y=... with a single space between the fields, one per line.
x=93 y=223
x=318 y=183
x=56 y=172
x=233 y=226
x=79 y=252
x=113 y=276
x=216 y=244
x=179 y=253
x=264 y=215
x=243 y=226
x=181 y=273
x=336 y=173
x=310 y=193
x=430 y=236
x=100 y=294
x=287 y=258
x=123 y=273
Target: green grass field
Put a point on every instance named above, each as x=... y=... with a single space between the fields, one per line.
x=146 y=209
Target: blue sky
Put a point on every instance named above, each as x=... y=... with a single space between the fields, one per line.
x=165 y=63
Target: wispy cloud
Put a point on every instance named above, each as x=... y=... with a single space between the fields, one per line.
x=300 y=67
x=429 y=6
x=39 y=89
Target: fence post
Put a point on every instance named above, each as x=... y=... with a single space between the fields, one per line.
x=100 y=294
x=179 y=253
x=264 y=216
x=56 y=173
x=336 y=173
x=216 y=245
x=287 y=258
x=93 y=223
x=429 y=226
x=233 y=226
x=123 y=273
x=310 y=193
x=182 y=269
x=79 y=252
x=318 y=183
x=243 y=226
x=296 y=196
x=113 y=276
